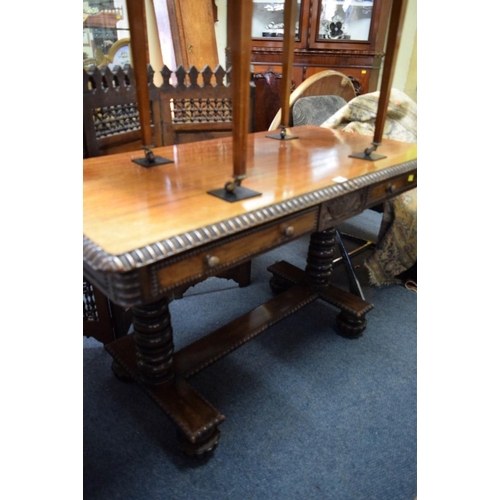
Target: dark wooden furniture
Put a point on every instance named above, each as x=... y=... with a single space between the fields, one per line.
x=150 y=231
x=102 y=319
x=267 y=97
x=110 y=115
x=326 y=83
x=190 y=105
x=359 y=60
x=197 y=107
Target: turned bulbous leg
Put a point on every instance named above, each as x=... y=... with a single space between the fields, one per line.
x=320 y=257
x=154 y=342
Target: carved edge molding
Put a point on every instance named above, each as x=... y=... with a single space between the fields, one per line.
x=124 y=289
x=96 y=258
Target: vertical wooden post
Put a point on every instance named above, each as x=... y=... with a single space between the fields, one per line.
x=239 y=46
x=290 y=15
x=398 y=11
x=139 y=45
x=136 y=10
x=288 y=45
x=397 y=15
x=240 y=83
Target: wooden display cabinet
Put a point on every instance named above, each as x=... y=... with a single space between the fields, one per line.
x=353 y=47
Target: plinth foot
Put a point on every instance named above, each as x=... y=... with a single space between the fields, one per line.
x=279 y=284
x=120 y=373
x=203 y=447
x=350 y=327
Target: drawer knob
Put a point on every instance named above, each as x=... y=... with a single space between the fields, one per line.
x=212 y=260
x=288 y=231
x=390 y=188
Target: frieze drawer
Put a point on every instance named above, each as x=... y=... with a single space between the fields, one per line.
x=334 y=211
x=387 y=189
x=217 y=257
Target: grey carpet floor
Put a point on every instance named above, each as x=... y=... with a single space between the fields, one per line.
x=309 y=414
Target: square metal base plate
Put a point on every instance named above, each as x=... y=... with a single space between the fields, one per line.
x=144 y=162
x=285 y=138
x=239 y=193
x=371 y=157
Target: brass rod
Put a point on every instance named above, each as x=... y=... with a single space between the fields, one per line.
x=354 y=252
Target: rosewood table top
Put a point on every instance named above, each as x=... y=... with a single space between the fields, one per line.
x=133 y=216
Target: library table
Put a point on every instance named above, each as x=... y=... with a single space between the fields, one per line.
x=149 y=232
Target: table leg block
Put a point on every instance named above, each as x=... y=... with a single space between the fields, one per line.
x=193 y=415
x=345 y=301
x=288 y=272
x=351 y=320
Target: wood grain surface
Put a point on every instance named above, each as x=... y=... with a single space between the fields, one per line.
x=126 y=206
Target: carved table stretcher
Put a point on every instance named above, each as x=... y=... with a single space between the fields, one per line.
x=151 y=231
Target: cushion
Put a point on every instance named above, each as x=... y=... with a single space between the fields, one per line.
x=314 y=110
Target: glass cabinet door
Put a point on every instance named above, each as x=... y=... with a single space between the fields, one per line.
x=345 y=20
x=268 y=19
x=106 y=34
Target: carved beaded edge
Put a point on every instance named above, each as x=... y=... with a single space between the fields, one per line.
x=98 y=259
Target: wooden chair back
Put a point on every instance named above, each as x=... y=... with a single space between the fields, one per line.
x=197 y=107
x=328 y=82
x=110 y=116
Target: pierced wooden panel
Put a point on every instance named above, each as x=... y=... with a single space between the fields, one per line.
x=112 y=120
x=201 y=110
x=90 y=312
x=96 y=314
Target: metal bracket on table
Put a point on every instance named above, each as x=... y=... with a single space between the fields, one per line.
x=367 y=154
x=234 y=191
x=282 y=136
x=150 y=159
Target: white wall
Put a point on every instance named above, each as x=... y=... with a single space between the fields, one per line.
x=405 y=69
x=221 y=31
